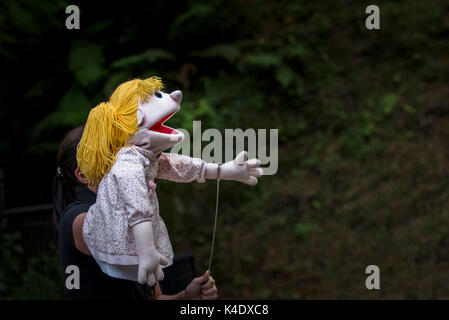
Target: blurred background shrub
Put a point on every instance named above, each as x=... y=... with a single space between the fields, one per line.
x=363 y=130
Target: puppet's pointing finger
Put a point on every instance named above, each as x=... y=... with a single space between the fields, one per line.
x=256 y=172
x=253 y=163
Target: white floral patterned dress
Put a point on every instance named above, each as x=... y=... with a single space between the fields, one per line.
x=126 y=196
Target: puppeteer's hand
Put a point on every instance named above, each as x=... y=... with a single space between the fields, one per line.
x=201 y=288
x=241 y=169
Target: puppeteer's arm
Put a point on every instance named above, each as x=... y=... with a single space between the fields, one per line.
x=77 y=229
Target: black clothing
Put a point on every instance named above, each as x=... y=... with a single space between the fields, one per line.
x=94 y=284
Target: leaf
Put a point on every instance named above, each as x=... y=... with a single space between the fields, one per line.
x=316 y=204
x=388 y=103
x=100 y=27
x=72 y=111
x=284 y=75
x=302 y=229
x=196 y=13
x=150 y=55
x=204 y=108
x=409 y=109
x=86 y=62
x=42 y=148
x=295 y=51
x=262 y=60
x=36 y=91
x=228 y=52
x=21 y=16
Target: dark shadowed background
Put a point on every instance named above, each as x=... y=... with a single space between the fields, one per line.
x=363 y=120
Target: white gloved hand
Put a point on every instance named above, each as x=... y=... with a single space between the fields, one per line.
x=149 y=267
x=150 y=260
x=240 y=169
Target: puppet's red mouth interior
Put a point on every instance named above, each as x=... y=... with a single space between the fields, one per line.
x=159 y=127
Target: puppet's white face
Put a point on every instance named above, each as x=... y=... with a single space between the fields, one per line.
x=152 y=115
x=158 y=109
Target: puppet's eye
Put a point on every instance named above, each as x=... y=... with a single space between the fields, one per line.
x=158 y=94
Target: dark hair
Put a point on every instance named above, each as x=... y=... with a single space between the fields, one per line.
x=65 y=181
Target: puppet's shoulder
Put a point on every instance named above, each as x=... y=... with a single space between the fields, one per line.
x=129 y=159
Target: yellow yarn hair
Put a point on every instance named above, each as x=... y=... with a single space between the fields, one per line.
x=109 y=127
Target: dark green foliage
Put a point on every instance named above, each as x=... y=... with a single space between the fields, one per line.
x=362 y=118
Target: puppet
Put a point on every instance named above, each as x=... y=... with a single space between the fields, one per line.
x=120 y=153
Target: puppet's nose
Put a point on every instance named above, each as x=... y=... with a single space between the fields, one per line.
x=176 y=95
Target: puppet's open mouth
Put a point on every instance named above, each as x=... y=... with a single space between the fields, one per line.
x=159 y=126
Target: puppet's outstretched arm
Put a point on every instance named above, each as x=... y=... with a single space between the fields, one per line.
x=180 y=168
